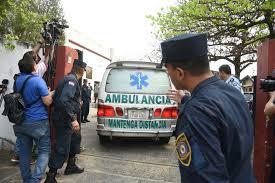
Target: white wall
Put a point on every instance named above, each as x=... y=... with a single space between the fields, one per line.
x=8 y=67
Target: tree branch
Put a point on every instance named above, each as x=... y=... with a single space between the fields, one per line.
x=244 y=67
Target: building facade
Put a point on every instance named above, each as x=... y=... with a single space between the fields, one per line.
x=247 y=84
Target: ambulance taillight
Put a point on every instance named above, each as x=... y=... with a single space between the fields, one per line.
x=157 y=113
x=119 y=111
x=105 y=111
x=170 y=113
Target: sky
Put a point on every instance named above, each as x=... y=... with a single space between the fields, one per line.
x=122 y=25
x=118 y=24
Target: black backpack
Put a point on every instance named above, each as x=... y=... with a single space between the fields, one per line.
x=14 y=104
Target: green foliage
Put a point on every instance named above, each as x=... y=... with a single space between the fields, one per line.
x=23 y=19
x=235 y=27
x=9 y=41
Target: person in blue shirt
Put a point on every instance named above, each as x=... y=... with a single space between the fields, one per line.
x=35 y=126
x=41 y=68
x=225 y=74
x=214 y=131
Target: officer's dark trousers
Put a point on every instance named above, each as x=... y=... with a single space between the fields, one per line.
x=67 y=145
x=85 y=109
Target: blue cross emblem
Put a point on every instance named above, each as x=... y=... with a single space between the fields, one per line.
x=139 y=80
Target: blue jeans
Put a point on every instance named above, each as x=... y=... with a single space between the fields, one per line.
x=17 y=148
x=27 y=133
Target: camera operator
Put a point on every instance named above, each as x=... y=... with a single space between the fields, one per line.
x=35 y=126
x=269 y=111
x=40 y=69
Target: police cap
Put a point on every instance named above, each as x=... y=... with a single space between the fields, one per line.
x=80 y=63
x=185 y=47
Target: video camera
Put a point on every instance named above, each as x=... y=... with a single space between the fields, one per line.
x=268 y=84
x=3 y=89
x=52 y=31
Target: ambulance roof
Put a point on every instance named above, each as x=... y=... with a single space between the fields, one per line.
x=136 y=64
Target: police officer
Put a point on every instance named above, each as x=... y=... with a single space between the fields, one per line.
x=67 y=106
x=96 y=89
x=214 y=133
x=225 y=74
x=86 y=98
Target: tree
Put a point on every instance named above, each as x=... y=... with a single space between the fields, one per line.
x=154 y=56
x=235 y=27
x=23 y=20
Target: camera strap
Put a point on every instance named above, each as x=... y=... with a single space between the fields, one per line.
x=23 y=88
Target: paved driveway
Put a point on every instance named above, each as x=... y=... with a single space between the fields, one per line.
x=119 y=161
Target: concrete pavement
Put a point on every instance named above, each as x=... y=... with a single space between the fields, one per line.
x=119 y=161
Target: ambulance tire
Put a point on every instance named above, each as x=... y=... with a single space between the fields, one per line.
x=164 y=140
x=103 y=139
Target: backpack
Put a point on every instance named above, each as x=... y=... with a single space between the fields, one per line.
x=15 y=106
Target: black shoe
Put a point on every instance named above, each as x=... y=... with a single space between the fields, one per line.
x=83 y=121
x=82 y=148
x=72 y=168
x=50 y=178
x=15 y=159
x=87 y=120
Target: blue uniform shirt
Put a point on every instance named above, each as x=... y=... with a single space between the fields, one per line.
x=67 y=100
x=86 y=94
x=35 y=88
x=215 y=135
x=235 y=82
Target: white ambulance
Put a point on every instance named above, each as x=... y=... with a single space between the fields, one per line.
x=132 y=102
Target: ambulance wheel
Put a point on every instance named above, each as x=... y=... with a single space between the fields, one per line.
x=164 y=140
x=103 y=139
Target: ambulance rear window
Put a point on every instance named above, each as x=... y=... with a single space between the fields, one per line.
x=137 y=81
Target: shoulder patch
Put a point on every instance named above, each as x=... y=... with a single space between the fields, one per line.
x=184 y=151
x=234 y=84
x=71 y=83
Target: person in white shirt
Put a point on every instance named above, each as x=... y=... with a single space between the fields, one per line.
x=96 y=89
x=41 y=64
x=225 y=74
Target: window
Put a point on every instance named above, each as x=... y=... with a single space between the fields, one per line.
x=137 y=81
